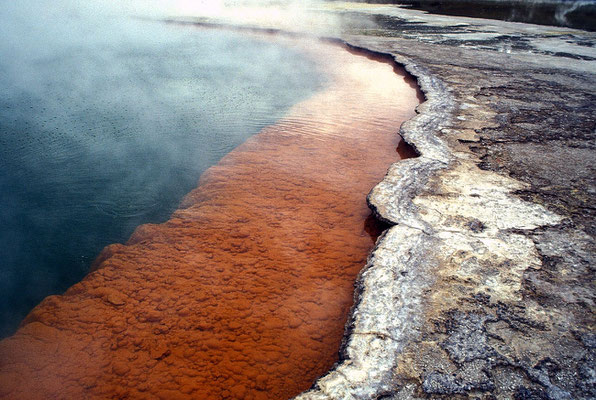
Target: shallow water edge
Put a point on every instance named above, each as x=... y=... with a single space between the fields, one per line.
x=106 y=294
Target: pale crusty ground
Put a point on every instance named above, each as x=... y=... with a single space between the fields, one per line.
x=484 y=287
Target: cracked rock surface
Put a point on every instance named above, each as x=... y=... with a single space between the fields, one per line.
x=484 y=286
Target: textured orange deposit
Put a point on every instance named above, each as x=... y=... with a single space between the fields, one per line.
x=244 y=292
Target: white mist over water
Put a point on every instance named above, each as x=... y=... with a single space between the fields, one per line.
x=107 y=119
x=305 y=16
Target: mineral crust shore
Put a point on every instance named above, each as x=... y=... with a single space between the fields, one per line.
x=484 y=286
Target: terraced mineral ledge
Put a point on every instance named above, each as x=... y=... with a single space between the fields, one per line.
x=244 y=293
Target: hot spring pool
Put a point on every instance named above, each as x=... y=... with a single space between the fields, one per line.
x=240 y=290
x=106 y=124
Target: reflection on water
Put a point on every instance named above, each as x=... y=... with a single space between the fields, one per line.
x=107 y=124
x=245 y=291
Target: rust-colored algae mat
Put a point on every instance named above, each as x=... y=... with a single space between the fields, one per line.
x=245 y=291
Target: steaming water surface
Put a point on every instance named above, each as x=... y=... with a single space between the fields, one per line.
x=245 y=291
x=105 y=124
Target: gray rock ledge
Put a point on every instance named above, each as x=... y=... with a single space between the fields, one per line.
x=483 y=287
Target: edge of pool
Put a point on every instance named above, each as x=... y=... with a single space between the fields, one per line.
x=458 y=263
x=389 y=292
x=440 y=206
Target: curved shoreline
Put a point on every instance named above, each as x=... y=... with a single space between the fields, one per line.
x=455 y=299
x=502 y=303
x=373 y=337
x=487 y=327
x=397 y=268
x=266 y=248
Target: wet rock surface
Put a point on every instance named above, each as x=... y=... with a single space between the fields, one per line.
x=496 y=289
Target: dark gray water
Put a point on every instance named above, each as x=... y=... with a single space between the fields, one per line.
x=106 y=122
x=580 y=14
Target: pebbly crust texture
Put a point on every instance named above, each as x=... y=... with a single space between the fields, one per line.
x=484 y=286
